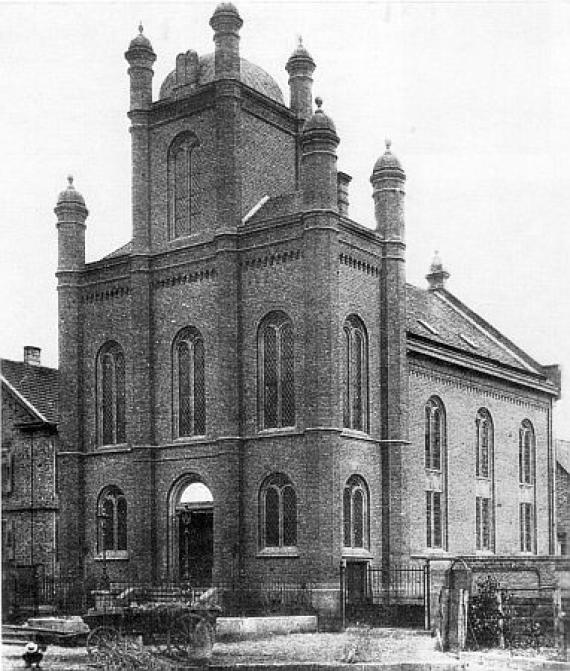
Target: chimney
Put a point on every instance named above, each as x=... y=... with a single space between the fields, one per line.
x=342 y=182
x=32 y=355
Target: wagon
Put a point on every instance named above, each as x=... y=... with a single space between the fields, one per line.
x=178 y=629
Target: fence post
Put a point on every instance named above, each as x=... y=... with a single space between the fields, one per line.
x=427 y=595
x=342 y=594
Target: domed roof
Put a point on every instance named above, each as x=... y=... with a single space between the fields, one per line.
x=251 y=75
x=301 y=52
x=70 y=195
x=140 y=40
x=319 y=120
x=226 y=8
x=387 y=161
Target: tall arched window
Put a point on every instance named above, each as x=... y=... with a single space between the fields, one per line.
x=111 y=423
x=112 y=520
x=189 y=383
x=276 y=371
x=435 y=473
x=484 y=472
x=526 y=453
x=355 y=401
x=355 y=513
x=183 y=200
x=278 y=512
x=527 y=488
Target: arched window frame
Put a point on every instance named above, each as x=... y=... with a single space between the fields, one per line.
x=111 y=394
x=188 y=384
x=355 y=387
x=356 y=516
x=112 y=520
x=527 y=453
x=485 y=488
x=278 y=514
x=435 y=462
x=183 y=200
x=276 y=371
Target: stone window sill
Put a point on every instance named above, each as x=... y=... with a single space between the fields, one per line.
x=356 y=553
x=279 y=552
x=113 y=555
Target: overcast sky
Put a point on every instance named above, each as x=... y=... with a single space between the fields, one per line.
x=474 y=95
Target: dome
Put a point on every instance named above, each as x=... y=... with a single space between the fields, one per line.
x=140 y=41
x=300 y=56
x=70 y=195
x=226 y=8
x=319 y=120
x=251 y=75
x=387 y=161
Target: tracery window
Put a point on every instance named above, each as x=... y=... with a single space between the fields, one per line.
x=527 y=527
x=484 y=486
x=356 y=513
x=278 y=512
x=276 y=371
x=183 y=193
x=112 y=520
x=526 y=453
x=189 y=383
x=483 y=522
x=355 y=401
x=435 y=449
x=111 y=422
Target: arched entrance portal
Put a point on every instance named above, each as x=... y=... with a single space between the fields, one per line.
x=193 y=533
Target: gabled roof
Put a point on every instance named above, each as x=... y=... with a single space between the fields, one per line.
x=125 y=250
x=276 y=206
x=438 y=317
x=34 y=386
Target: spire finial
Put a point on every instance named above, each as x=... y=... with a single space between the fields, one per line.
x=70 y=180
x=388 y=143
x=319 y=101
x=299 y=40
x=140 y=27
x=437 y=275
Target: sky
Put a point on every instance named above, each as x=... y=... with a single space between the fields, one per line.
x=475 y=97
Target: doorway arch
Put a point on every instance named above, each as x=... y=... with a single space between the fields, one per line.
x=192 y=531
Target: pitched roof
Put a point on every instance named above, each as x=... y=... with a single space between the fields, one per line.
x=35 y=385
x=440 y=317
x=124 y=250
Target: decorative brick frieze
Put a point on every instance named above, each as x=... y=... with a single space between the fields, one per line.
x=185 y=278
x=277 y=258
x=100 y=294
x=358 y=264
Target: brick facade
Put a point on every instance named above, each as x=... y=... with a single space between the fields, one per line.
x=266 y=235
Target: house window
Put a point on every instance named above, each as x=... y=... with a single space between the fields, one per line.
x=483 y=522
x=355 y=513
x=276 y=371
x=278 y=512
x=112 y=520
x=7 y=471
x=183 y=192
x=527 y=527
x=111 y=422
x=189 y=384
x=355 y=401
x=434 y=434
x=526 y=453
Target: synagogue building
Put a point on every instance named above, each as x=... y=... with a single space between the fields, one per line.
x=249 y=385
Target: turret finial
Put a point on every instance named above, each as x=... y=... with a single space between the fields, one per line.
x=437 y=275
x=140 y=27
x=319 y=102
x=70 y=180
x=388 y=143
x=299 y=40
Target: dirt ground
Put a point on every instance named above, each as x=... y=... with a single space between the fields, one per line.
x=374 y=646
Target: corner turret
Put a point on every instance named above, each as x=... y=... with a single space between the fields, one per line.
x=318 y=162
x=300 y=67
x=140 y=56
x=226 y=23
x=388 y=180
x=71 y=215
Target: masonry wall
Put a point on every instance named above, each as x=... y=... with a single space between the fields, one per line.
x=463 y=394
x=563 y=505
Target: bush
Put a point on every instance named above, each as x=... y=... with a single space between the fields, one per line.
x=486 y=619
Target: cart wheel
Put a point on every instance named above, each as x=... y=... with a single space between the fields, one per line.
x=192 y=637
x=101 y=643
